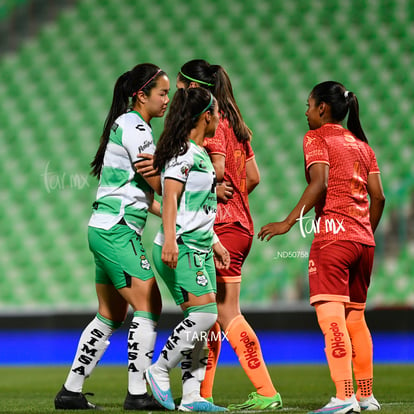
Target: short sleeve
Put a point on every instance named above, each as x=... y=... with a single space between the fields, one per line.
x=178 y=168
x=136 y=141
x=373 y=168
x=217 y=144
x=315 y=149
x=249 y=151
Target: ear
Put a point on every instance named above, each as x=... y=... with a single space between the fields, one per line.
x=322 y=109
x=141 y=97
x=207 y=116
x=193 y=85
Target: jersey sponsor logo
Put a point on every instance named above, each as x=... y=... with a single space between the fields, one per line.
x=140 y=127
x=184 y=169
x=144 y=146
x=201 y=279
x=209 y=209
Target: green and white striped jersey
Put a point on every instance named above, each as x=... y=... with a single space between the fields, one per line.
x=197 y=207
x=123 y=193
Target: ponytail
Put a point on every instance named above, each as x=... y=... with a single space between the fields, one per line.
x=341 y=102
x=353 y=123
x=186 y=107
x=223 y=91
x=119 y=106
x=215 y=79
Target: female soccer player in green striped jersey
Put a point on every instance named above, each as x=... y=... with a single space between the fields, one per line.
x=123 y=273
x=185 y=245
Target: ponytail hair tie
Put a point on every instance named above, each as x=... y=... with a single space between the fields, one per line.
x=346 y=94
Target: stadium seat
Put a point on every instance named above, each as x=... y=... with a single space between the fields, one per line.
x=59 y=88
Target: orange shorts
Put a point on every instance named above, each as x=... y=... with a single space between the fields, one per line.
x=340 y=271
x=238 y=241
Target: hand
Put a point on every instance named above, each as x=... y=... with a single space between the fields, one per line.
x=145 y=167
x=221 y=256
x=273 y=229
x=224 y=191
x=169 y=254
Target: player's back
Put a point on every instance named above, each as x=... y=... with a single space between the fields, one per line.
x=344 y=213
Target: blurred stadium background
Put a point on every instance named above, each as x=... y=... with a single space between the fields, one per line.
x=59 y=60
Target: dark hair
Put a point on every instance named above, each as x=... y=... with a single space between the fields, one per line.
x=142 y=77
x=185 y=110
x=216 y=80
x=342 y=102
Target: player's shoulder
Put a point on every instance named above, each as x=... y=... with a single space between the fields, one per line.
x=313 y=137
x=185 y=158
x=132 y=120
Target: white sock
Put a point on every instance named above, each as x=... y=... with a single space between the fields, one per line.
x=193 y=368
x=182 y=340
x=141 y=340
x=91 y=346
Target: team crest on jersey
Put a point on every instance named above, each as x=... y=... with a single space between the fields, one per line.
x=145 y=264
x=185 y=169
x=201 y=279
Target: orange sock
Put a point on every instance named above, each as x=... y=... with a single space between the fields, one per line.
x=246 y=345
x=362 y=353
x=214 y=347
x=338 y=350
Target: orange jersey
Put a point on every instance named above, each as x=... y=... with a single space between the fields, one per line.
x=344 y=212
x=237 y=154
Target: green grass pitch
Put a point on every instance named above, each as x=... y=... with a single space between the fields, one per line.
x=31 y=390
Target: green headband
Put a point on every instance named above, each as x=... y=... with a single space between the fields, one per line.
x=196 y=80
x=206 y=108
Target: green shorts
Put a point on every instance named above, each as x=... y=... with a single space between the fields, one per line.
x=119 y=256
x=195 y=273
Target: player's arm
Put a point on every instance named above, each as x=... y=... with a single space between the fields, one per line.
x=377 y=199
x=315 y=190
x=172 y=193
x=221 y=254
x=224 y=189
x=144 y=166
x=155 y=208
x=252 y=175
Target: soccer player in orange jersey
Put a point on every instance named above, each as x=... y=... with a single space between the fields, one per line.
x=237 y=175
x=341 y=171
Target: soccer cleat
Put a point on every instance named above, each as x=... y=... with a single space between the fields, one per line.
x=68 y=400
x=164 y=397
x=144 y=402
x=205 y=405
x=198 y=403
x=369 y=404
x=258 y=402
x=337 y=406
